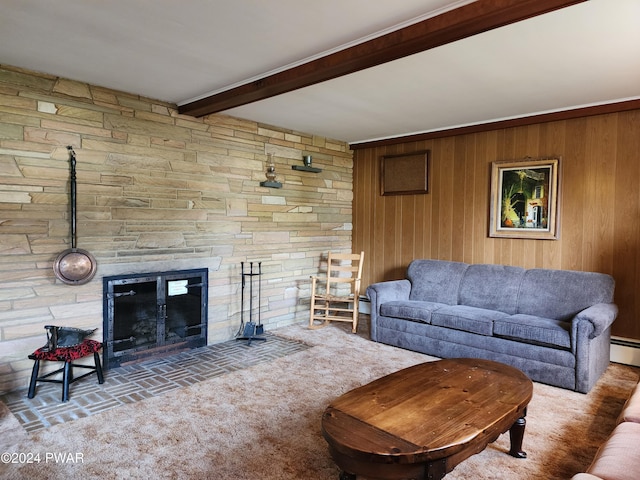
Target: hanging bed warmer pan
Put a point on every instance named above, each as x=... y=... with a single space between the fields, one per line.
x=74 y=266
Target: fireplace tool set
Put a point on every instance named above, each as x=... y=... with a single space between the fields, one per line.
x=250 y=330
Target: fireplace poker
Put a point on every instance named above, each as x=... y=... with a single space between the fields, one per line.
x=259 y=326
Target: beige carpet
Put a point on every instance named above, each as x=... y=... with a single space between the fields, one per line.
x=264 y=423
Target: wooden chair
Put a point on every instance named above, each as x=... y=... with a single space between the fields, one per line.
x=334 y=298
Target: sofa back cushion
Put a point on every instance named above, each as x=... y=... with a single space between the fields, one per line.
x=494 y=287
x=435 y=280
x=561 y=294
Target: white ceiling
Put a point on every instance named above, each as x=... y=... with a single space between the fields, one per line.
x=586 y=54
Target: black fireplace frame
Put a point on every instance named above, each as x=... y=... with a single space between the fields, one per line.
x=193 y=336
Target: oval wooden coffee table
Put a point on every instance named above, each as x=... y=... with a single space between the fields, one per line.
x=422 y=421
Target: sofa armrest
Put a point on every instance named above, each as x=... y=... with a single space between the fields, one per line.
x=631 y=410
x=600 y=315
x=591 y=343
x=382 y=292
x=389 y=291
x=618 y=457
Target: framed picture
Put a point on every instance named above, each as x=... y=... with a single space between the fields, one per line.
x=524 y=199
x=405 y=174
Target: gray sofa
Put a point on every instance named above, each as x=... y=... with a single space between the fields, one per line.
x=554 y=325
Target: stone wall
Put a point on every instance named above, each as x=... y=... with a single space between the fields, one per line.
x=156 y=191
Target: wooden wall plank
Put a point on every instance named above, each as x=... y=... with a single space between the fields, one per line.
x=572 y=196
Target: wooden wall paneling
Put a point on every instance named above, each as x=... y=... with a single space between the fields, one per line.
x=395 y=235
x=360 y=211
x=376 y=218
x=519 y=146
x=606 y=168
x=453 y=218
x=590 y=200
x=436 y=200
x=420 y=230
x=532 y=250
x=461 y=201
x=425 y=245
x=398 y=224
x=600 y=141
x=552 y=137
x=472 y=203
x=366 y=239
x=486 y=154
x=423 y=232
x=506 y=151
x=572 y=196
x=390 y=249
x=626 y=251
x=404 y=220
x=407 y=231
x=380 y=219
x=442 y=192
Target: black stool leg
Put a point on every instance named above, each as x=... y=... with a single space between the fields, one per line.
x=96 y=357
x=34 y=379
x=67 y=376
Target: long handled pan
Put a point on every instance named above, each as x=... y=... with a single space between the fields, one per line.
x=74 y=266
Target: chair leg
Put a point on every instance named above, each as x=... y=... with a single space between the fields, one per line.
x=67 y=376
x=34 y=379
x=96 y=357
x=356 y=311
x=313 y=302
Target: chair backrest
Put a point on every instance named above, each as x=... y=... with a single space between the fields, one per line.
x=344 y=268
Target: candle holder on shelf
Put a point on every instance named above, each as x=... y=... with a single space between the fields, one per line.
x=306 y=167
x=271 y=175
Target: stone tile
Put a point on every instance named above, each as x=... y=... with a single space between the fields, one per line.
x=136 y=382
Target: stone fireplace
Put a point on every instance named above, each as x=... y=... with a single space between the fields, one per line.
x=151 y=314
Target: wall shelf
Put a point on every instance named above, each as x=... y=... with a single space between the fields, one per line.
x=304 y=168
x=269 y=184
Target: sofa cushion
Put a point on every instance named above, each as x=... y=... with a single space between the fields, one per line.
x=619 y=457
x=561 y=294
x=494 y=287
x=467 y=319
x=534 y=330
x=631 y=410
x=410 y=310
x=435 y=280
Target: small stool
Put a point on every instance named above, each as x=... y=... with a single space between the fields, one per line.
x=66 y=355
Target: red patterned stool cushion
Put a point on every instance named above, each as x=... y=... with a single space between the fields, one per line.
x=68 y=354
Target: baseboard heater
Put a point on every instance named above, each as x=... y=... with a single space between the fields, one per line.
x=625 y=350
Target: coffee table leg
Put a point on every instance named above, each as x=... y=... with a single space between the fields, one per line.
x=516 y=434
x=347 y=476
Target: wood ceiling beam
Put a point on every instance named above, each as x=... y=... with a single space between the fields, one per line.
x=466 y=21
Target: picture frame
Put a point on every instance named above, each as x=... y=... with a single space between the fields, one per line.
x=525 y=198
x=405 y=174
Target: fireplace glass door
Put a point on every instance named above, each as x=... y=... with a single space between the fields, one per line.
x=154 y=313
